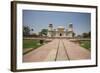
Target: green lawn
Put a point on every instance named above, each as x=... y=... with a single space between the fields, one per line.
x=30 y=43
x=86 y=44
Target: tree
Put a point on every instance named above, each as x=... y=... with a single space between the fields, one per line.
x=26 y=30
x=86 y=35
x=89 y=34
x=40 y=34
x=79 y=36
x=34 y=35
x=44 y=32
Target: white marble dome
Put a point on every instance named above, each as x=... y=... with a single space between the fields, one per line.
x=60 y=27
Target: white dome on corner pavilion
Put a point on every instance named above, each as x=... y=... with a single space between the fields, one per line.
x=60 y=27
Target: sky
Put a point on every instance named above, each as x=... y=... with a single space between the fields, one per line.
x=38 y=20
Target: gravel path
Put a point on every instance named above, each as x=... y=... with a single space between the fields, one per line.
x=57 y=49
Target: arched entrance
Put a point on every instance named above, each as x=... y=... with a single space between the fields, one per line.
x=60 y=34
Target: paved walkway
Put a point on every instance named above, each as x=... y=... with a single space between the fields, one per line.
x=58 y=49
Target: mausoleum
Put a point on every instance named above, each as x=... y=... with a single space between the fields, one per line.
x=60 y=31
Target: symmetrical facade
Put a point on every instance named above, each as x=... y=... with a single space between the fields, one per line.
x=60 y=31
